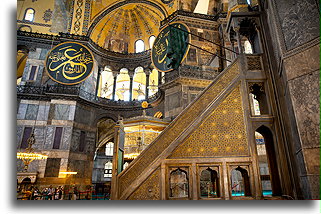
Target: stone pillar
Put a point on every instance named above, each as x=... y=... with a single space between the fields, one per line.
x=159 y=78
x=131 y=79
x=239 y=40
x=98 y=82
x=147 y=72
x=114 y=86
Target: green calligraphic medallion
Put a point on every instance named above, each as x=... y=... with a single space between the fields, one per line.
x=170 y=47
x=69 y=63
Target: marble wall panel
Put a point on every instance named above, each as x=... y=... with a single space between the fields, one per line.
x=299 y=21
x=72 y=110
x=79 y=166
x=49 y=137
x=22 y=111
x=43 y=54
x=66 y=138
x=173 y=101
x=312 y=160
x=19 y=135
x=25 y=72
x=32 y=111
x=39 y=137
x=43 y=112
x=302 y=63
x=61 y=112
x=75 y=140
x=90 y=142
x=35 y=54
x=305 y=97
x=83 y=116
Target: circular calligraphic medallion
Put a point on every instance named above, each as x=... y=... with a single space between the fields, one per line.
x=170 y=47
x=167 y=1
x=69 y=63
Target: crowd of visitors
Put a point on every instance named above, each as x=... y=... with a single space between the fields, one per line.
x=57 y=193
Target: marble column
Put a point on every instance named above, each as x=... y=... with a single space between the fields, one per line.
x=131 y=79
x=147 y=72
x=114 y=86
x=98 y=82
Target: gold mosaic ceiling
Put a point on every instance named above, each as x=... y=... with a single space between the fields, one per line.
x=119 y=29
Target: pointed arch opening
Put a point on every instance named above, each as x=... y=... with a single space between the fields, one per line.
x=178 y=183
x=209 y=183
x=267 y=157
x=240 y=182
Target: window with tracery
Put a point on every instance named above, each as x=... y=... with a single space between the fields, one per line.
x=139 y=84
x=153 y=82
x=122 y=85
x=29 y=15
x=139 y=46
x=108 y=169
x=106 y=84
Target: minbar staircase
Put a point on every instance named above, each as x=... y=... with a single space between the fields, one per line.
x=144 y=178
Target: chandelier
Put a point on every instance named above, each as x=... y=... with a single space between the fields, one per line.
x=28 y=156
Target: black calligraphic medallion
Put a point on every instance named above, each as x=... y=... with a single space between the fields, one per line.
x=170 y=47
x=69 y=63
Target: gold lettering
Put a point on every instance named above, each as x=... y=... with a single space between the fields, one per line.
x=73 y=62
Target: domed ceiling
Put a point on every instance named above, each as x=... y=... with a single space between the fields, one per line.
x=119 y=29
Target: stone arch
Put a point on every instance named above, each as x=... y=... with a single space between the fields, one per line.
x=272 y=159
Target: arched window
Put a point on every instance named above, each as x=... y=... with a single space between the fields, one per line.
x=29 y=14
x=151 y=41
x=269 y=172
x=122 y=85
x=108 y=169
x=178 y=184
x=109 y=149
x=209 y=187
x=139 y=84
x=153 y=82
x=106 y=84
x=139 y=46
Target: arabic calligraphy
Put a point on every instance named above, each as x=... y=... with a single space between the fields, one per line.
x=170 y=47
x=69 y=63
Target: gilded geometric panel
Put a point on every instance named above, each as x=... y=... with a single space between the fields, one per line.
x=149 y=189
x=177 y=127
x=222 y=133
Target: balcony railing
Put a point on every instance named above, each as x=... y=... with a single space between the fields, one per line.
x=78 y=92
